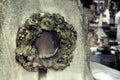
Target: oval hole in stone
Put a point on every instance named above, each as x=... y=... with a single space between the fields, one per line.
x=47 y=44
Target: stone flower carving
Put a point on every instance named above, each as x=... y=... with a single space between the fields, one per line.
x=26 y=53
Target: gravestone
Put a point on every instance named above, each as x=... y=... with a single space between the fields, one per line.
x=16 y=12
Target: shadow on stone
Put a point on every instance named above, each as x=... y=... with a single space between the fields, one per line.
x=47 y=44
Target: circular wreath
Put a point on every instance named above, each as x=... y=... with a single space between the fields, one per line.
x=26 y=53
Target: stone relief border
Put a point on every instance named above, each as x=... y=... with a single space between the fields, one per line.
x=26 y=53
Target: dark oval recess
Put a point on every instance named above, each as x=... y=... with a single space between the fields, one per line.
x=47 y=44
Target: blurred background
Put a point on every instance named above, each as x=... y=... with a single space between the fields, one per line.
x=104 y=31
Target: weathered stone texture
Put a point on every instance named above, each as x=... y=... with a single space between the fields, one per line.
x=14 y=13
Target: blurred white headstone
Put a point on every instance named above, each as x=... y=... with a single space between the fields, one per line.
x=118 y=30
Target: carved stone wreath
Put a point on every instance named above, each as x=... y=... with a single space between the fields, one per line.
x=26 y=53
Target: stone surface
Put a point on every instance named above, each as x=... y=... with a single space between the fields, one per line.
x=101 y=72
x=47 y=43
x=15 y=13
